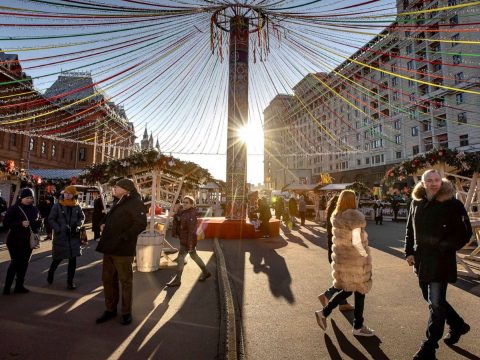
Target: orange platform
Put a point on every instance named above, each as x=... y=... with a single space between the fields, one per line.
x=221 y=228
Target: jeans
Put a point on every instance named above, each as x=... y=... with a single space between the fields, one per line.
x=181 y=260
x=435 y=293
x=342 y=295
x=331 y=293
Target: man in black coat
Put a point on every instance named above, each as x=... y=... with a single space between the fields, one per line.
x=437 y=227
x=118 y=242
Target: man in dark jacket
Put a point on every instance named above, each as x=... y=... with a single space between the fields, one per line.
x=122 y=225
x=437 y=226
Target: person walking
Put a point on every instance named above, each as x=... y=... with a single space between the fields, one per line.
x=188 y=242
x=44 y=207
x=293 y=210
x=437 y=227
x=378 y=209
x=328 y=294
x=66 y=218
x=279 y=208
x=122 y=225
x=98 y=215
x=21 y=219
x=302 y=210
x=264 y=214
x=351 y=262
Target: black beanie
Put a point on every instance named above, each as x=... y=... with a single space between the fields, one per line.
x=126 y=184
x=26 y=192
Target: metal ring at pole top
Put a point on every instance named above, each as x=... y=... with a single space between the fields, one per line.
x=257 y=18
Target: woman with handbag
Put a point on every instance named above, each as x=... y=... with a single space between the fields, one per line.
x=66 y=219
x=22 y=220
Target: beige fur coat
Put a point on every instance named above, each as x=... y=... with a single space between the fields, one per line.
x=351 y=271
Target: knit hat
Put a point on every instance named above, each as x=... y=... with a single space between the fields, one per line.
x=126 y=184
x=26 y=192
x=71 y=190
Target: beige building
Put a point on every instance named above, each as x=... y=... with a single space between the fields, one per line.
x=373 y=110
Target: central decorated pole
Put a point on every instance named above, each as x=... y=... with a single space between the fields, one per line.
x=236 y=208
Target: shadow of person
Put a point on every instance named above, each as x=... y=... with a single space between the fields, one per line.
x=465 y=353
x=268 y=261
x=345 y=345
x=331 y=348
x=371 y=344
x=295 y=239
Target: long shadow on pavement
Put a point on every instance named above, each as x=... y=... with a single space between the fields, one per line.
x=345 y=345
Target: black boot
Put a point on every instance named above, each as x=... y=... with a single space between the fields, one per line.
x=50 y=276
x=20 y=289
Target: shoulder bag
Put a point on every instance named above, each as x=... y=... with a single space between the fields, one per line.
x=34 y=238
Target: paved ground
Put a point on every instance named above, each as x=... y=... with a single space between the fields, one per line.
x=277 y=282
x=55 y=323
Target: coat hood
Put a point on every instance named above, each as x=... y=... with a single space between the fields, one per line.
x=446 y=192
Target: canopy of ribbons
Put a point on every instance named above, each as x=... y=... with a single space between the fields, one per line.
x=166 y=63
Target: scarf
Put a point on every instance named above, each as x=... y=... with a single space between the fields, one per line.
x=69 y=202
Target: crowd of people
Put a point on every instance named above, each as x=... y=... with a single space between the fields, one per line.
x=437 y=227
x=116 y=231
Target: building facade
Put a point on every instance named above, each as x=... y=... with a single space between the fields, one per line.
x=58 y=129
x=398 y=96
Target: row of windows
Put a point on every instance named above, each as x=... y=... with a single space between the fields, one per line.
x=82 y=152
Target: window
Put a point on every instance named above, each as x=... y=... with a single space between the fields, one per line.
x=398 y=154
x=454 y=20
x=459 y=98
x=367 y=160
x=462 y=118
x=464 y=140
x=409 y=49
x=452 y=2
x=54 y=149
x=82 y=154
x=455 y=38
x=441 y=123
x=394 y=81
x=437 y=67
x=359 y=162
x=415 y=149
x=457 y=59
x=31 y=145
x=410 y=83
x=395 y=96
x=414 y=130
x=398 y=139
x=13 y=139
x=458 y=77
x=44 y=147
x=397 y=124
x=411 y=65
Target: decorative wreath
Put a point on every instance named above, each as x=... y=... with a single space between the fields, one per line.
x=465 y=163
x=146 y=159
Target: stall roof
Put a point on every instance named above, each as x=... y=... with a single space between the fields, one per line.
x=333 y=187
x=56 y=174
x=300 y=187
x=209 y=186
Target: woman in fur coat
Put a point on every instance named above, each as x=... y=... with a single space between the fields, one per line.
x=351 y=261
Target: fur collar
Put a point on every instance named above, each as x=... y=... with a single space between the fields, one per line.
x=445 y=193
x=350 y=219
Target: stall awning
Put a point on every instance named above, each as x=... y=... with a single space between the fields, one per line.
x=335 y=187
x=300 y=187
x=56 y=174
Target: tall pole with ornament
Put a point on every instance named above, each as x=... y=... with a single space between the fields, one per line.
x=234 y=20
